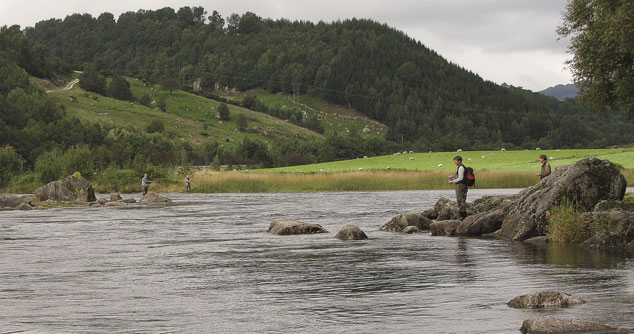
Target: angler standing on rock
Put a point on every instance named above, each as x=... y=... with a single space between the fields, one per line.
x=461 y=186
x=145 y=183
x=545 y=167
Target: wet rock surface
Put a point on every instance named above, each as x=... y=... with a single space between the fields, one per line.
x=293 y=227
x=546 y=325
x=545 y=299
x=153 y=198
x=400 y=222
x=351 y=232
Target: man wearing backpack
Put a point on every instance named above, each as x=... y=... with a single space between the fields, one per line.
x=461 y=186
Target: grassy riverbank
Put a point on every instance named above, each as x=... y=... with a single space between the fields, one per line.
x=249 y=182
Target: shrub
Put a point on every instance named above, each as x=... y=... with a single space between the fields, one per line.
x=115 y=179
x=565 y=223
x=10 y=164
x=26 y=183
x=146 y=100
x=50 y=166
x=156 y=126
x=223 y=111
x=78 y=159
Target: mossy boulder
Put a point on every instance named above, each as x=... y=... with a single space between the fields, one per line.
x=73 y=188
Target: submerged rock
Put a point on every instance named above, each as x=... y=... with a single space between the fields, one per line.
x=545 y=325
x=74 y=188
x=543 y=299
x=411 y=229
x=152 y=197
x=116 y=203
x=585 y=183
x=291 y=227
x=400 y=222
x=351 y=232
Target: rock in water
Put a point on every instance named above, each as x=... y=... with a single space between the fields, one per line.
x=24 y=207
x=72 y=188
x=544 y=299
x=291 y=227
x=411 y=230
x=585 y=183
x=400 y=222
x=546 y=325
x=12 y=201
x=351 y=232
x=445 y=228
x=152 y=197
x=481 y=223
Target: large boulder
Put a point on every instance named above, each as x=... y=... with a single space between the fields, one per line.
x=351 y=232
x=481 y=223
x=492 y=202
x=613 y=229
x=445 y=228
x=400 y=222
x=12 y=201
x=446 y=209
x=74 y=188
x=545 y=325
x=585 y=183
x=291 y=227
x=152 y=198
x=545 y=299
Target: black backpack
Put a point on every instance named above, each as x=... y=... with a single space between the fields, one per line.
x=469 y=178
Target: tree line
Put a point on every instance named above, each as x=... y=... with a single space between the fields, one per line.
x=369 y=66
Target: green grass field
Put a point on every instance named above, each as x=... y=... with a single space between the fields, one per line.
x=186 y=116
x=334 y=118
x=499 y=161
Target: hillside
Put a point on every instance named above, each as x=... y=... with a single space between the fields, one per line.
x=367 y=66
x=187 y=117
x=335 y=119
x=561 y=92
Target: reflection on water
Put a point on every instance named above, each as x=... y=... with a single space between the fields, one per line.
x=205 y=263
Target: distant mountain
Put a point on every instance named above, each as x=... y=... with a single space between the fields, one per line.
x=561 y=92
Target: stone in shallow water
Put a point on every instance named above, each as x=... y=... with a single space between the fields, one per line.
x=545 y=325
x=351 y=232
x=542 y=299
x=292 y=227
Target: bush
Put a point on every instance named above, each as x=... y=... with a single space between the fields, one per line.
x=223 y=111
x=156 y=126
x=10 y=164
x=565 y=223
x=78 y=159
x=26 y=183
x=115 y=179
x=50 y=166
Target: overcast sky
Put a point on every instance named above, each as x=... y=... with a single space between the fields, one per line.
x=505 y=41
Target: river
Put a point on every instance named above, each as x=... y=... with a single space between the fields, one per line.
x=206 y=264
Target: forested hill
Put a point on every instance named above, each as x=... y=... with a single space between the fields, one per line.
x=372 y=67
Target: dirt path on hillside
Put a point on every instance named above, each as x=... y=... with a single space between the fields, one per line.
x=67 y=87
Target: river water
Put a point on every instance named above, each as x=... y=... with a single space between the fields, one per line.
x=205 y=264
